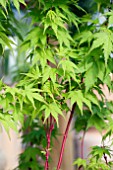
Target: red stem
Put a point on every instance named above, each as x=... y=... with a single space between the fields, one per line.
x=48 y=137
x=47 y=153
x=65 y=137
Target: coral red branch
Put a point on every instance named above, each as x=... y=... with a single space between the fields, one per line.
x=65 y=137
x=48 y=137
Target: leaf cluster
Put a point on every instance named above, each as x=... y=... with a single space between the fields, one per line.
x=63 y=67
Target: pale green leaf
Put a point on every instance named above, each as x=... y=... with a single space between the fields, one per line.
x=30 y=97
x=91 y=76
x=88 y=103
x=97 y=122
x=99 y=40
x=93 y=98
x=103 y=39
x=46 y=74
x=47 y=113
x=53 y=75
x=107 y=48
x=80 y=162
x=110 y=21
x=38 y=97
x=23 y=2
x=16 y=4
x=56 y=108
x=68 y=66
x=55 y=115
x=101 y=72
x=3 y=3
x=77 y=96
x=49 y=56
x=55 y=27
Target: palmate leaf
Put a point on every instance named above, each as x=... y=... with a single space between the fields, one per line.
x=111 y=20
x=87 y=37
x=53 y=20
x=64 y=38
x=96 y=165
x=22 y=1
x=43 y=56
x=99 y=40
x=38 y=97
x=18 y=114
x=92 y=97
x=49 y=55
x=5 y=41
x=8 y=122
x=49 y=88
x=32 y=75
x=78 y=97
x=67 y=66
x=80 y=162
x=101 y=73
x=70 y=15
x=39 y=56
x=31 y=96
x=49 y=73
x=98 y=152
x=53 y=3
x=109 y=131
x=15 y=2
x=3 y=3
x=91 y=76
x=97 y=122
x=53 y=109
x=35 y=36
x=103 y=39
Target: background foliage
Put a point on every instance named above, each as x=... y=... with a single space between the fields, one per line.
x=64 y=53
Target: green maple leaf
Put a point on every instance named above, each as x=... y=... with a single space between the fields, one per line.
x=103 y=39
x=78 y=97
x=91 y=76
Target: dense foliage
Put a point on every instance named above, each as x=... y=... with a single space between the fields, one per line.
x=68 y=57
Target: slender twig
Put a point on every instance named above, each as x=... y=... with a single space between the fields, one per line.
x=65 y=137
x=48 y=137
x=105 y=158
x=79 y=168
